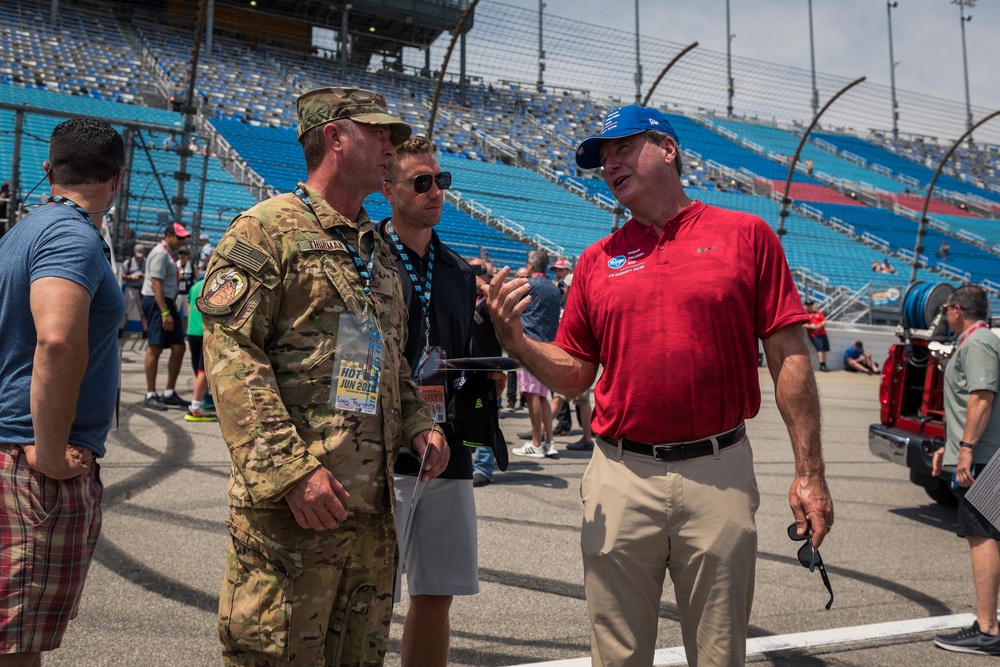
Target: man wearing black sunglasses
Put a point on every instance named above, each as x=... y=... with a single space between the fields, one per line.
x=439 y=290
x=972 y=422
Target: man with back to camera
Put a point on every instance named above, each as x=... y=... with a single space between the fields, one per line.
x=441 y=558
x=539 y=320
x=305 y=330
x=165 y=324
x=670 y=485
x=972 y=422
x=60 y=307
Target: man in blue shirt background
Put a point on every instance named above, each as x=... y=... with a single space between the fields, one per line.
x=856 y=360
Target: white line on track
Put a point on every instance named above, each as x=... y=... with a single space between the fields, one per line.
x=804 y=640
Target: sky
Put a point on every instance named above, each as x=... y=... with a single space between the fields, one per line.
x=851 y=36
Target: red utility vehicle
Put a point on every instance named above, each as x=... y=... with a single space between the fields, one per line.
x=911 y=394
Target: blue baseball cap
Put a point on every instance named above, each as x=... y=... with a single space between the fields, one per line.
x=622 y=122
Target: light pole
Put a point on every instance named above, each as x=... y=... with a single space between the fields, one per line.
x=812 y=56
x=962 y=4
x=541 y=49
x=729 y=64
x=889 y=6
x=638 y=65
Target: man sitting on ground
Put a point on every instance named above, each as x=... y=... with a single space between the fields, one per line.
x=857 y=360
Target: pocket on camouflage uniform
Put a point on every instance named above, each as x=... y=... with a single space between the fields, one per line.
x=255 y=610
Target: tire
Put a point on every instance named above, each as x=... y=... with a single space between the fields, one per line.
x=940 y=492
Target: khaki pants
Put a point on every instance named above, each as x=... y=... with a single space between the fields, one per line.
x=693 y=518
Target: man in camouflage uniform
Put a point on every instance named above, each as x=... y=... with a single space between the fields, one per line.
x=309 y=575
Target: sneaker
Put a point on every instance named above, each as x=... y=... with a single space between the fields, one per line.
x=479 y=479
x=561 y=430
x=208 y=403
x=549 y=450
x=969 y=640
x=175 y=401
x=525 y=435
x=154 y=403
x=529 y=450
x=581 y=445
x=200 y=416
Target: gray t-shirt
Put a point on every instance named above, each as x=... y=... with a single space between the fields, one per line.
x=974 y=366
x=161 y=264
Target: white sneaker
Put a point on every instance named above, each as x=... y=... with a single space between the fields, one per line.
x=549 y=450
x=529 y=450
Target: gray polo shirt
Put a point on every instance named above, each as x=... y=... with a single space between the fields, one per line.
x=160 y=264
x=974 y=366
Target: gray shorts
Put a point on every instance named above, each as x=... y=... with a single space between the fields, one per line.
x=443 y=553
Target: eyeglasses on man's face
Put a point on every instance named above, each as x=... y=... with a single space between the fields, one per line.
x=422 y=183
x=946 y=307
x=809 y=557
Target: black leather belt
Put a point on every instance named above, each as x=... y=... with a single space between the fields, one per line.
x=681 y=451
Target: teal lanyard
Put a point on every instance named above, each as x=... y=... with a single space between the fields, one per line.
x=364 y=269
x=421 y=287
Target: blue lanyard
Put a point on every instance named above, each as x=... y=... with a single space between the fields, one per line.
x=86 y=216
x=364 y=269
x=421 y=287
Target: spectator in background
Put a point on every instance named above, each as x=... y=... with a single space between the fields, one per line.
x=197 y=411
x=816 y=326
x=4 y=207
x=563 y=269
x=206 y=252
x=159 y=304
x=876 y=266
x=944 y=249
x=60 y=307
x=560 y=406
x=484 y=344
x=857 y=360
x=185 y=278
x=513 y=401
x=133 y=275
x=887 y=267
x=540 y=321
x=171 y=143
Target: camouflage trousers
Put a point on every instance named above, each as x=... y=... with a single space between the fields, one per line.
x=294 y=597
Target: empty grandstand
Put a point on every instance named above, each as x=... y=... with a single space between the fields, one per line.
x=508 y=141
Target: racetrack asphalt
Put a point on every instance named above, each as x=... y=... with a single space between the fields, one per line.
x=152 y=593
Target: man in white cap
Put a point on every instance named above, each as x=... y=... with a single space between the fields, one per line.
x=206 y=251
x=133 y=273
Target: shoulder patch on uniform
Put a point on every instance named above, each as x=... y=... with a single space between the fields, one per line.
x=327 y=245
x=223 y=290
x=247 y=255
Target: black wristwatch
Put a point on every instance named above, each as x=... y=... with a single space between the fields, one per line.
x=966 y=445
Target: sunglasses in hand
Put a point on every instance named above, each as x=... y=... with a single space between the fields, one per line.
x=422 y=183
x=809 y=557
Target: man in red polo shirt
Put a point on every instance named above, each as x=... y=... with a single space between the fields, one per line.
x=672 y=306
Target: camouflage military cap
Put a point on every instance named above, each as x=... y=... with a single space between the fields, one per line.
x=320 y=106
